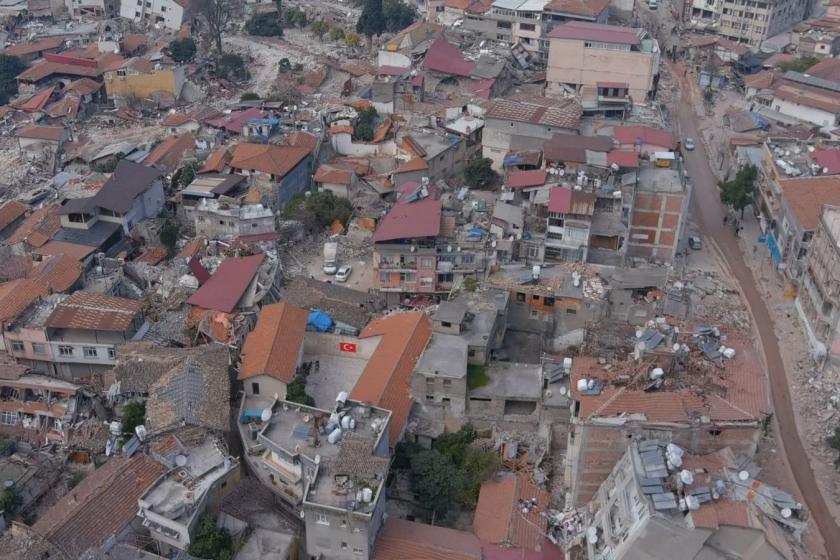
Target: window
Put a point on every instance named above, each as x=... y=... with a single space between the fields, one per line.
x=163 y=8
x=430 y=397
x=520 y=297
x=17 y=346
x=38 y=348
x=500 y=37
x=446 y=400
x=439 y=8
x=467 y=258
x=112 y=354
x=409 y=277
x=527 y=27
x=503 y=24
x=255 y=388
x=571 y=311
x=358 y=551
x=253 y=225
x=548 y=301
x=344 y=546
x=535 y=297
x=427 y=262
x=446 y=324
x=384 y=277
x=8 y=418
x=65 y=350
x=137 y=14
x=321 y=519
x=425 y=282
x=90 y=352
x=447 y=383
x=221 y=222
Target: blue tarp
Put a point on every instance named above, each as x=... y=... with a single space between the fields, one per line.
x=319 y=321
x=772 y=246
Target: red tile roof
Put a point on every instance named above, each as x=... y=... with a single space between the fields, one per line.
x=44 y=222
x=559 y=113
x=805 y=198
x=38 y=101
x=560 y=200
x=301 y=139
x=585 y=31
x=623 y=159
x=627 y=136
x=408 y=220
x=415 y=164
x=332 y=174
x=592 y=8
x=234 y=121
x=228 y=284
x=55 y=274
x=56 y=247
x=406 y=540
x=385 y=381
x=168 y=154
x=216 y=161
x=40 y=132
x=499 y=518
x=828 y=159
x=100 y=506
x=525 y=179
x=272 y=348
x=92 y=311
x=33 y=47
x=826 y=69
x=267 y=158
x=446 y=58
x=10 y=212
x=808 y=96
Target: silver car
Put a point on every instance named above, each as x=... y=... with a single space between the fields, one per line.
x=689 y=144
x=343 y=273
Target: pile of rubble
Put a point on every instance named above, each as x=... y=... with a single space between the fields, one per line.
x=714 y=300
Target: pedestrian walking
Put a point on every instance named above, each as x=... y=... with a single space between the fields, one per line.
x=725 y=219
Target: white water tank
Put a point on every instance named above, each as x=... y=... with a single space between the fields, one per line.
x=342 y=397
x=729 y=353
x=367 y=495
x=334 y=436
x=265 y=416
x=116 y=427
x=140 y=430
x=567 y=364
x=657 y=373
x=592 y=535
x=345 y=422
x=692 y=502
x=686 y=477
x=787 y=512
x=582 y=385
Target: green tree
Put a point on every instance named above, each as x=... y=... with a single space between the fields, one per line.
x=479 y=172
x=296 y=392
x=437 y=482
x=364 y=132
x=296 y=17
x=372 y=20
x=336 y=34
x=264 y=25
x=798 y=65
x=478 y=466
x=211 y=542
x=168 y=236
x=216 y=14
x=9 y=502
x=454 y=444
x=737 y=193
x=398 y=15
x=352 y=39
x=231 y=67
x=284 y=65
x=249 y=96
x=182 y=50
x=186 y=175
x=133 y=415
x=470 y=284
x=319 y=28
x=10 y=67
x=327 y=208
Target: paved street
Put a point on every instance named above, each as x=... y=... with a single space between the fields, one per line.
x=709 y=213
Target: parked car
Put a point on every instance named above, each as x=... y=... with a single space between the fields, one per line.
x=695 y=242
x=343 y=273
x=689 y=144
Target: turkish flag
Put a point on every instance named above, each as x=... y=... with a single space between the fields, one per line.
x=347 y=346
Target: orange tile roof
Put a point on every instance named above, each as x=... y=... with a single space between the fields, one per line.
x=41 y=132
x=11 y=211
x=267 y=158
x=499 y=518
x=54 y=247
x=192 y=248
x=272 y=348
x=92 y=311
x=216 y=161
x=385 y=381
x=32 y=47
x=177 y=119
x=169 y=153
x=101 y=506
x=301 y=140
x=805 y=198
x=338 y=128
x=406 y=540
x=55 y=274
x=416 y=164
x=331 y=174
x=712 y=515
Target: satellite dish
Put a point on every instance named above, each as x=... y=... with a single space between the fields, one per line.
x=787 y=512
x=266 y=415
x=743 y=475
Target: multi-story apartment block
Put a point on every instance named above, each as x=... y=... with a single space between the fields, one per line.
x=568 y=224
x=170 y=13
x=751 y=22
x=607 y=65
x=819 y=294
x=73 y=336
x=412 y=256
x=37 y=408
x=229 y=219
x=528 y=22
x=329 y=466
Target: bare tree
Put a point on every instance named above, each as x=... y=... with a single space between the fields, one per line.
x=216 y=14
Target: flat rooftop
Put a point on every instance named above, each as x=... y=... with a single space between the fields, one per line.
x=511 y=380
x=175 y=496
x=446 y=356
x=554 y=280
x=334 y=374
x=660 y=179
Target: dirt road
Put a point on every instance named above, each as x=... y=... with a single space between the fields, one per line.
x=709 y=213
